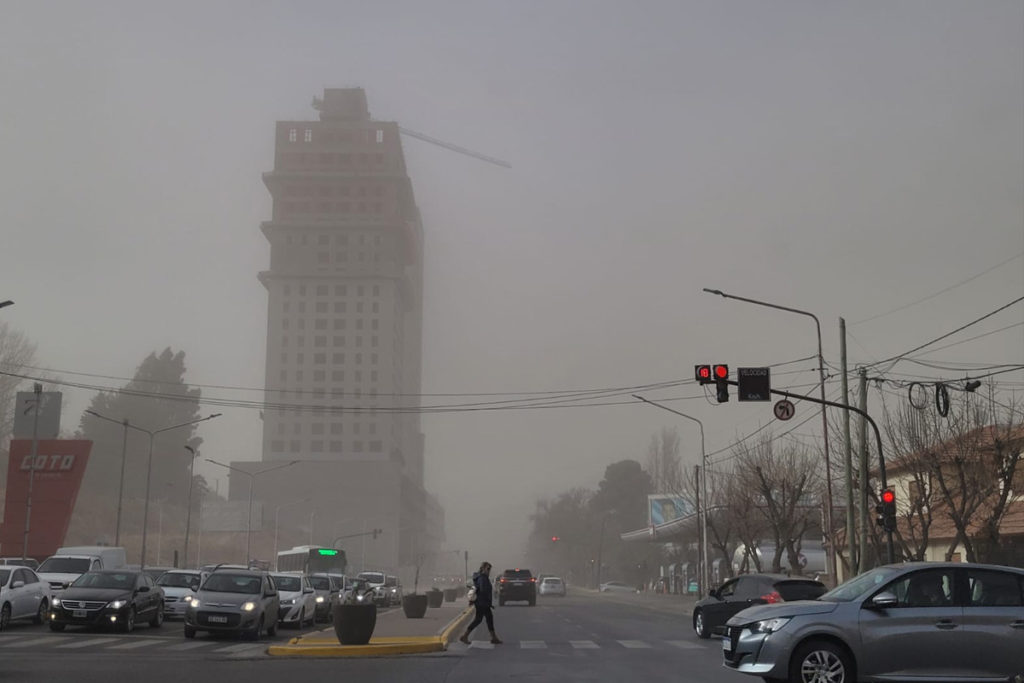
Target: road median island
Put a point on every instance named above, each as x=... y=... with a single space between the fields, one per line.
x=394 y=636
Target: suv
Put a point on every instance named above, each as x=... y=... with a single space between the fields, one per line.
x=517 y=584
x=234 y=601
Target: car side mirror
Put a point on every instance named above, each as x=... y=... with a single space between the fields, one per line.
x=307 y=590
x=713 y=593
x=884 y=600
x=17 y=584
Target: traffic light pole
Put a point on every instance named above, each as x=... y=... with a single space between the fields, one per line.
x=890 y=548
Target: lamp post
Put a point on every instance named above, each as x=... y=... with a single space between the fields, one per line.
x=5 y=304
x=831 y=554
x=188 y=512
x=277 y=512
x=149 y=466
x=252 y=481
x=702 y=509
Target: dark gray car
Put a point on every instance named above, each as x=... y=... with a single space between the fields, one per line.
x=234 y=601
x=910 y=622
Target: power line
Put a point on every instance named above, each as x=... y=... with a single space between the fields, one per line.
x=979 y=336
x=941 y=291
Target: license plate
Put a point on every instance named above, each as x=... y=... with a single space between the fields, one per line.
x=218 y=620
x=79 y=614
x=727 y=644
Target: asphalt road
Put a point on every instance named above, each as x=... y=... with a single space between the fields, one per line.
x=582 y=637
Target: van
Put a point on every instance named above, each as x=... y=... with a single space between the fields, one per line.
x=67 y=564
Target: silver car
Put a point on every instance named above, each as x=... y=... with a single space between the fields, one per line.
x=180 y=586
x=916 y=621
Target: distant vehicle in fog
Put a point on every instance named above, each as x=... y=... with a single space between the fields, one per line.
x=617 y=587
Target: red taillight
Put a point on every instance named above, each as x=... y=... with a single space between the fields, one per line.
x=533 y=580
x=772 y=597
x=503 y=580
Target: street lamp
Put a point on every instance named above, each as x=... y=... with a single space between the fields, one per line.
x=702 y=509
x=277 y=511
x=830 y=555
x=149 y=466
x=252 y=482
x=5 y=304
x=188 y=513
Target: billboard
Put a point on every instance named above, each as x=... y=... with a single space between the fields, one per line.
x=59 y=468
x=666 y=507
x=45 y=417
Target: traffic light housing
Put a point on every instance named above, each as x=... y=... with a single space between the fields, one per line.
x=377 y=532
x=721 y=373
x=702 y=373
x=555 y=539
x=886 y=509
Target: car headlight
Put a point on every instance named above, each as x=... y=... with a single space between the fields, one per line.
x=284 y=602
x=769 y=625
x=319 y=599
x=117 y=604
x=192 y=602
x=394 y=590
x=360 y=598
x=55 y=602
x=249 y=606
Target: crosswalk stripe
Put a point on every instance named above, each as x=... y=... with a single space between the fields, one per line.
x=533 y=645
x=634 y=644
x=35 y=641
x=88 y=642
x=684 y=644
x=134 y=644
x=482 y=645
x=584 y=644
x=238 y=648
x=191 y=645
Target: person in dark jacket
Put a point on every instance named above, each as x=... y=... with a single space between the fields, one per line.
x=483 y=603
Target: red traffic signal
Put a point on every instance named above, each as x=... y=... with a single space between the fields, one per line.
x=702 y=373
x=554 y=538
x=721 y=372
x=888 y=496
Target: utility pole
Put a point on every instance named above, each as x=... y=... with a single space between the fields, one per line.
x=851 y=545
x=701 y=533
x=38 y=390
x=862 y=437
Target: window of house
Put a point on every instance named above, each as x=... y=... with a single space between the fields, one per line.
x=293 y=135
x=335 y=447
x=284 y=324
x=277 y=446
x=340 y=290
x=339 y=323
x=321 y=307
x=380 y=136
x=316 y=446
x=295 y=446
x=321 y=323
x=376 y=447
x=309 y=135
x=339 y=306
x=320 y=359
x=321 y=290
x=337 y=428
x=339 y=340
x=338 y=375
x=317 y=428
x=338 y=358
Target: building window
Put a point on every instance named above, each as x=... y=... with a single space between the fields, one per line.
x=339 y=290
x=374 y=324
x=293 y=135
x=320 y=359
x=316 y=446
x=359 y=323
x=287 y=290
x=336 y=428
x=302 y=290
x=376 y=447
x=284 y=324
x=277 y=446
x=295 y=446
x=321 y=290
x=380 y=136
x=300 y=358
x=298 y=375
x=338 y=375
x=309 y=135
x=321 y=307
x=339 y=340
x=284 y=376
x=373 y=376
x=319 y=376
x=338 y=358
x=357 y=446
x=321 y=323
x=339 y=306
x=335 y=447
x=317 y=428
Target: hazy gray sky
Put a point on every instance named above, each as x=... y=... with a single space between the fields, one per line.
x=845 y=158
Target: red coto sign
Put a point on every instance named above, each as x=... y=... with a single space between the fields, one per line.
x=59 y=467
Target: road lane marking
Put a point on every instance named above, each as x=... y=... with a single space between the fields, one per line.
x=482 y=645
x=35 y=641
x=685 y=644
x=584 y=644
x=533 y=645
x=88 y=642
x=634 y=644
x=134 y=644
x=190 y=645
x=231 y=649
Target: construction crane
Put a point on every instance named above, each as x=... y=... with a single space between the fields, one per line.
x=454 y=148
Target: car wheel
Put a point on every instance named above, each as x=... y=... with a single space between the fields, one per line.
x=158 y=618
x=5 y=617
x=129 y=624
x=40 y=616
x=190 y=632
x=56 y=627
x=819 y=661
x=256 y=632
x=272 y=629
x=700 y=627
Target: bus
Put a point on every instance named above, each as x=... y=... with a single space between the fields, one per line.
x=312 y=559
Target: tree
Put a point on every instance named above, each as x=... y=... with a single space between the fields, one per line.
x=16 y=351
x=663 y=465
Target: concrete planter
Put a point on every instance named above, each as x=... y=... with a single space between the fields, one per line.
x=435 y=598
x=354 y=624
x=450 y=594
x=414 y=606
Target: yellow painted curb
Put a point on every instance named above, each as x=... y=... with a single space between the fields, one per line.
x=378 y=647
x=454 y=625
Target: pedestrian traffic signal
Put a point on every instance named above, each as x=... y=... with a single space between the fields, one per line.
x=702 y=373
x=886 y=509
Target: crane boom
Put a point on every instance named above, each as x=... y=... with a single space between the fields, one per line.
x=454 y=148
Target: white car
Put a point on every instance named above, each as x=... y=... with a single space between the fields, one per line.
x=617 y=587
x=551 y=585
x=298 y=599
x=180 y=586
x=23 y=595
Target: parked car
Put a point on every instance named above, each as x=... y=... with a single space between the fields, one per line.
x=917 y=621
x=113 y=597
x=616 y=587
x=156 y=572
x=327 y=588
x=238 y=601
x=747 y=590
x=551 y=585
x=179 y=586
x=392 y=590
x=297 y=598
x=22 y=595
x=20 y=562
x=517 y=584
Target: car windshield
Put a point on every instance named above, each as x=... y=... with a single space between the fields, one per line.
x=517 y=573
x=552 y=581
x=123 y=581
x=860 y=586
x=372 y=577
x=232 y=583
x=65 y=565
x=320 y=583
x=288 y=583
x=178 y=580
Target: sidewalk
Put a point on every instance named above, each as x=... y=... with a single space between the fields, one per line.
x=394 y=634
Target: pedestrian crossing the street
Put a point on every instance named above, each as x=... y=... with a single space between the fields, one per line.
x=72 y=644
x=591 y=645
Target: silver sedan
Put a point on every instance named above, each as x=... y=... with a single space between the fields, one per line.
x=917 y=621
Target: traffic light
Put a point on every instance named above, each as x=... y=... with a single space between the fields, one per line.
x=377 y=532
x=886 y=509
x=721 y=373
x=702 y=373
x=554 y=539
